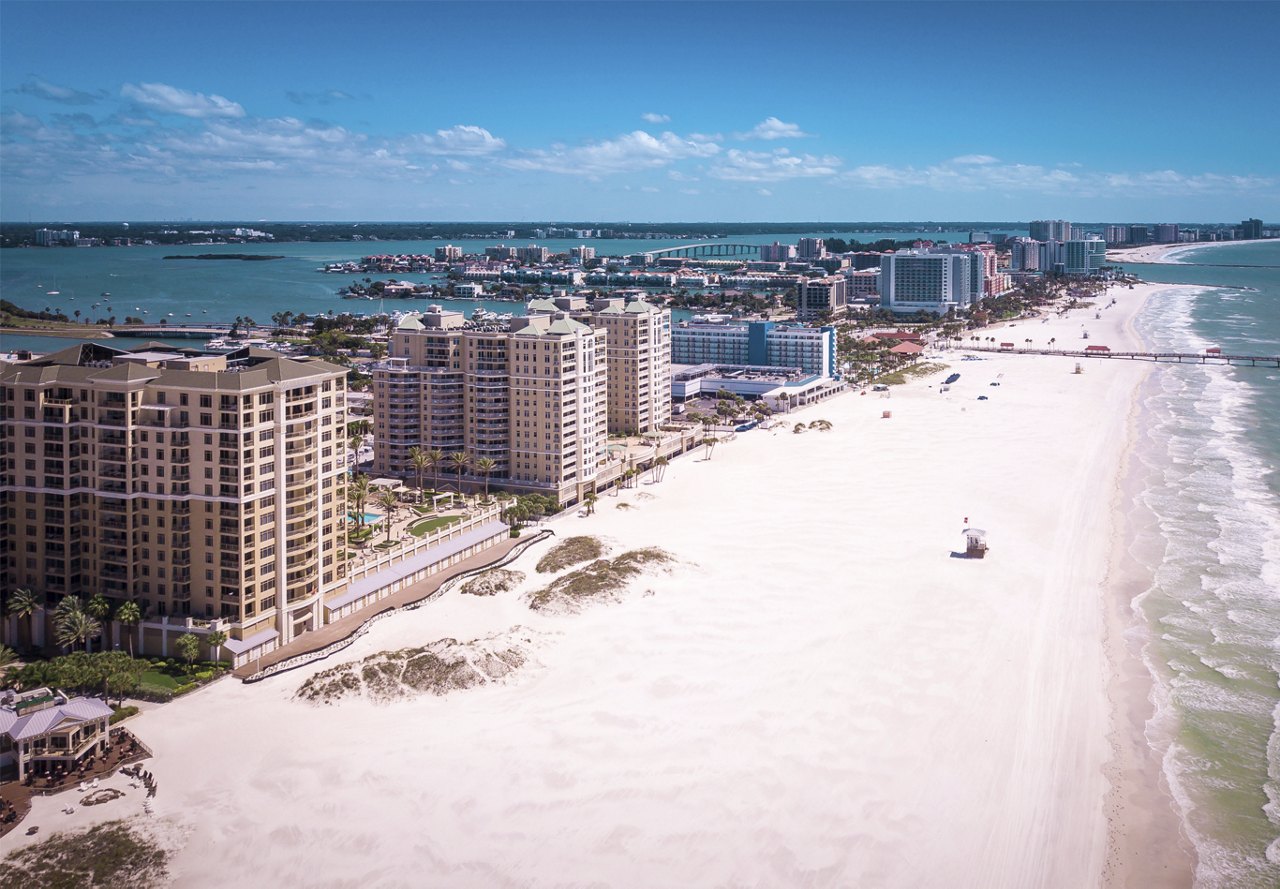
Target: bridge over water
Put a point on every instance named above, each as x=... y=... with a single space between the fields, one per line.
x=708 y=248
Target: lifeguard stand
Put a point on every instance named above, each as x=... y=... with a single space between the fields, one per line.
x=975 y=543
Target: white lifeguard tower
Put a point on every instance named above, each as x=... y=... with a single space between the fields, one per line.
x=975 y=543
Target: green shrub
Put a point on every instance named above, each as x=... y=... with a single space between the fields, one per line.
x=184 y=688
x=515 y=532
x=204 y=675
x=122 y=713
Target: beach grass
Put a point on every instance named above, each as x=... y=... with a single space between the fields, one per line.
x=569 y=552
x=602 y=579
x=110 y=854
x=898 y=377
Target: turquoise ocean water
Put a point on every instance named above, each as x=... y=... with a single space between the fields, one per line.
x=1208 y=483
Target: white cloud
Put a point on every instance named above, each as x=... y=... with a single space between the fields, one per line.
x=637 y=150
x=965 y=175
x=172 y=100
x=764 y=166
x=771 y=128
x=465 y=139
x=975 y=159
x=764 y=192
x=653 y=117
x=42 y=89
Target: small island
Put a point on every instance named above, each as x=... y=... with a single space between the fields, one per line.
x=246 y=257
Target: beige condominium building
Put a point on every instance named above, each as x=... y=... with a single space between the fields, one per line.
x=209 y=488
x=538 y=397
x=639 y=359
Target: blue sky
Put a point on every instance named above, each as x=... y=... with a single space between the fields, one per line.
x=638 y=111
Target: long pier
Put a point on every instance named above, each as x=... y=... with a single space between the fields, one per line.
x=1162 y=357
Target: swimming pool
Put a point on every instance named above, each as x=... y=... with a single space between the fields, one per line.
x=370 y=518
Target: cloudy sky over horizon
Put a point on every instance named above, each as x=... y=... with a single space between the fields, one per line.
x=640 y=111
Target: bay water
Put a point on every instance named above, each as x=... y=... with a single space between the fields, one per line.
x=100 y=282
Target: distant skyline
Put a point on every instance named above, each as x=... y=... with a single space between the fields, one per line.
x=638 y=111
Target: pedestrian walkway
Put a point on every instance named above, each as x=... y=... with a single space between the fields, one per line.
x=316 y=640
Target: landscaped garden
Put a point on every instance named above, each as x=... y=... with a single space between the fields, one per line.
x=423 y=527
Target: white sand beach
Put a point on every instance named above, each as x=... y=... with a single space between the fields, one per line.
x=819 y=695
x=1158 y=253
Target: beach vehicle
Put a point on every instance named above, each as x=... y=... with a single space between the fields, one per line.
x=982 y=398
x=951 y=379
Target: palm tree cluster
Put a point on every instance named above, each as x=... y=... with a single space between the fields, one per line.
x=110 y=673
x=75 y=622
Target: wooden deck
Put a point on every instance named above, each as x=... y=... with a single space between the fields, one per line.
x=125 y=749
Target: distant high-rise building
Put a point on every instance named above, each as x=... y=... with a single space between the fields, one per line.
x=1116 y=234
x=982 y=263
x=776 y=252
x=811 y=248
x=818 y=296
x=532 y=254
x=1139 y=234
x=1024 y=254
x=979 y=237
x=582 y=254
x=1084 y=257
x=1167 y=233
x=760 y=343
x=1251 y=229
x=1051 y=230
x=500 y=253
x=912 y=281
x=48 y=237
x=448 y=253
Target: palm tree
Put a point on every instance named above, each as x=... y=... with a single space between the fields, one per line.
x=659 y=468
x=188 y=647
x=75 y=627
x=388 y=501
x=357 y=497
x=7 y=657
x=434 y=458
x=354 y=441
x=25 y=604
x=98 y=608
x=589 y=501
x=419 y=460
x=486 y=465
x=459 y=459
x=216 y=639
x=129 y=614
x=710 y=444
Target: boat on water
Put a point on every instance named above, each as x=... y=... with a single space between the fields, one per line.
x=483 y=314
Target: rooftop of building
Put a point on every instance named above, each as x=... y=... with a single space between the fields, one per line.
x=244 y=368
x=36 y=712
